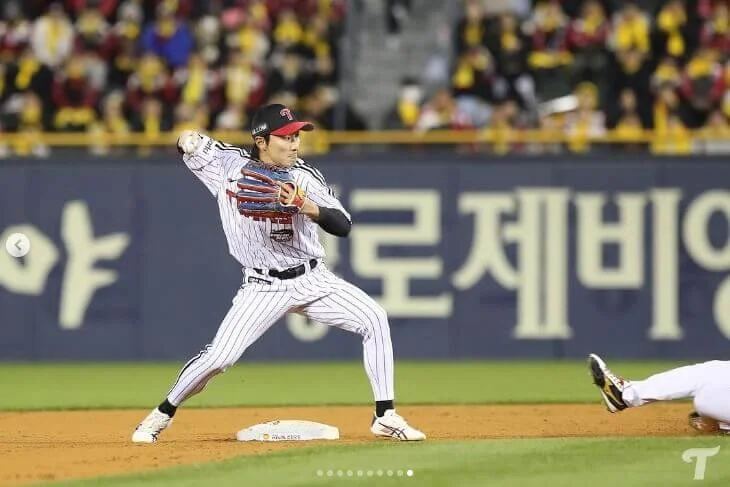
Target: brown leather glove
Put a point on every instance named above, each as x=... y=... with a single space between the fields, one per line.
x=703 y=424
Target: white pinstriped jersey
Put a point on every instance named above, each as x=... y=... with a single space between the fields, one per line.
x=263 y=244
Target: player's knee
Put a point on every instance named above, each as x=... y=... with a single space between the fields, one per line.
x=220 y=365
x=379 y=316
x=374 y=321
x=712 y=401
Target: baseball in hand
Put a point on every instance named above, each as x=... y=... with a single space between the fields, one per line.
x=188 y=141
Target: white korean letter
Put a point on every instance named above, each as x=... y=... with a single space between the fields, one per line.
x=594 y=233
x=397 y=272
x=81 y=279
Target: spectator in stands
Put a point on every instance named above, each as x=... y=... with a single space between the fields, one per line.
x=15 y=32
x=703 y=86
x=152 y=119
x=105 y=7
x=718 y=124
x=666 y=105
x=549 y=58
x=244 y=83
x=628 y=107
x=286 y=98
x=550 y=134
x=26 y=74
x=716 y=134
x=627 y=122
x=29 y=121
x=630 y=129
x=667 y=74
x=672 y=28
x=120 y=48
x=631 y=31
x=150 y=79
x=74 y=97
x=112 y=122
x=319 y=43
x=4 y=89
x=587 y=121
x=190 y=117
x=715 y=32
x=92 y=30
x=471 y=30
x=128 y=23
x=725 y=103
x=510 y=47
x=96 y=68
x=441 y=112
x=407 y=108
x=197 y=84
x=122 y=63
x=247 y=35
x=502 y=127
x=233 y=117
x=113 y=118
x=300 y=8
x=288 y=31
x=321 y=106
x=631 y=45
x=291 y=75
x=208 y=39
x=53 y=37
x=474 y=74
x=168 y=38
x=586 y=39
x=674 y=138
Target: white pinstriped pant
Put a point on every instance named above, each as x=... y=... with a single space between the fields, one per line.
x=707 y=383
x=318 y=294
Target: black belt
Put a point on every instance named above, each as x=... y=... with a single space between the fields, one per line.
x=290 y=273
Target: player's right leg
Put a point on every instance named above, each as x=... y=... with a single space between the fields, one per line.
x=705 y=382
x=712 y=405
x=349 y=308
x=255 y=308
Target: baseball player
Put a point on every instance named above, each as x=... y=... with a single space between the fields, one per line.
x=271 y=217
x=708 y=384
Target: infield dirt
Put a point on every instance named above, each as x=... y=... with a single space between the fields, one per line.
x=60 y=445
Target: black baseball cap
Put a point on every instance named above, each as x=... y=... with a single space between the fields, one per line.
x=277 y=119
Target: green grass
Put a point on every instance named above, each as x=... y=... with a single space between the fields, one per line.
x=89 y=385
x=644 y=462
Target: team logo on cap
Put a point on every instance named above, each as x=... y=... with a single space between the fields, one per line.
x=285 y=112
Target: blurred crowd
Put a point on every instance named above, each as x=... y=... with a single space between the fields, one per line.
x=576 y=67
x=149 y=66
x=582 y=67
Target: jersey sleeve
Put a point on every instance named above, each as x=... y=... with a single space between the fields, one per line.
x=213 y=161
x=318 y=191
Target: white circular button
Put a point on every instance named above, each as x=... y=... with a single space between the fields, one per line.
x=17 y=245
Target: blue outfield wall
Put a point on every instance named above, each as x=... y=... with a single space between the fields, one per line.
x=471 y=258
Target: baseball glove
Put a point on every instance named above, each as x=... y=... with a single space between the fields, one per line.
x=259 y=195
x=703 y=424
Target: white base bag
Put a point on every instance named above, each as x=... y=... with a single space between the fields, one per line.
x=288 y=430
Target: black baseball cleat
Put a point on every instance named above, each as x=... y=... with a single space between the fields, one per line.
x=611 y=386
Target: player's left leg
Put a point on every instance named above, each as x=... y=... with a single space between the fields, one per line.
x=336 y=302
x=680 y=383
